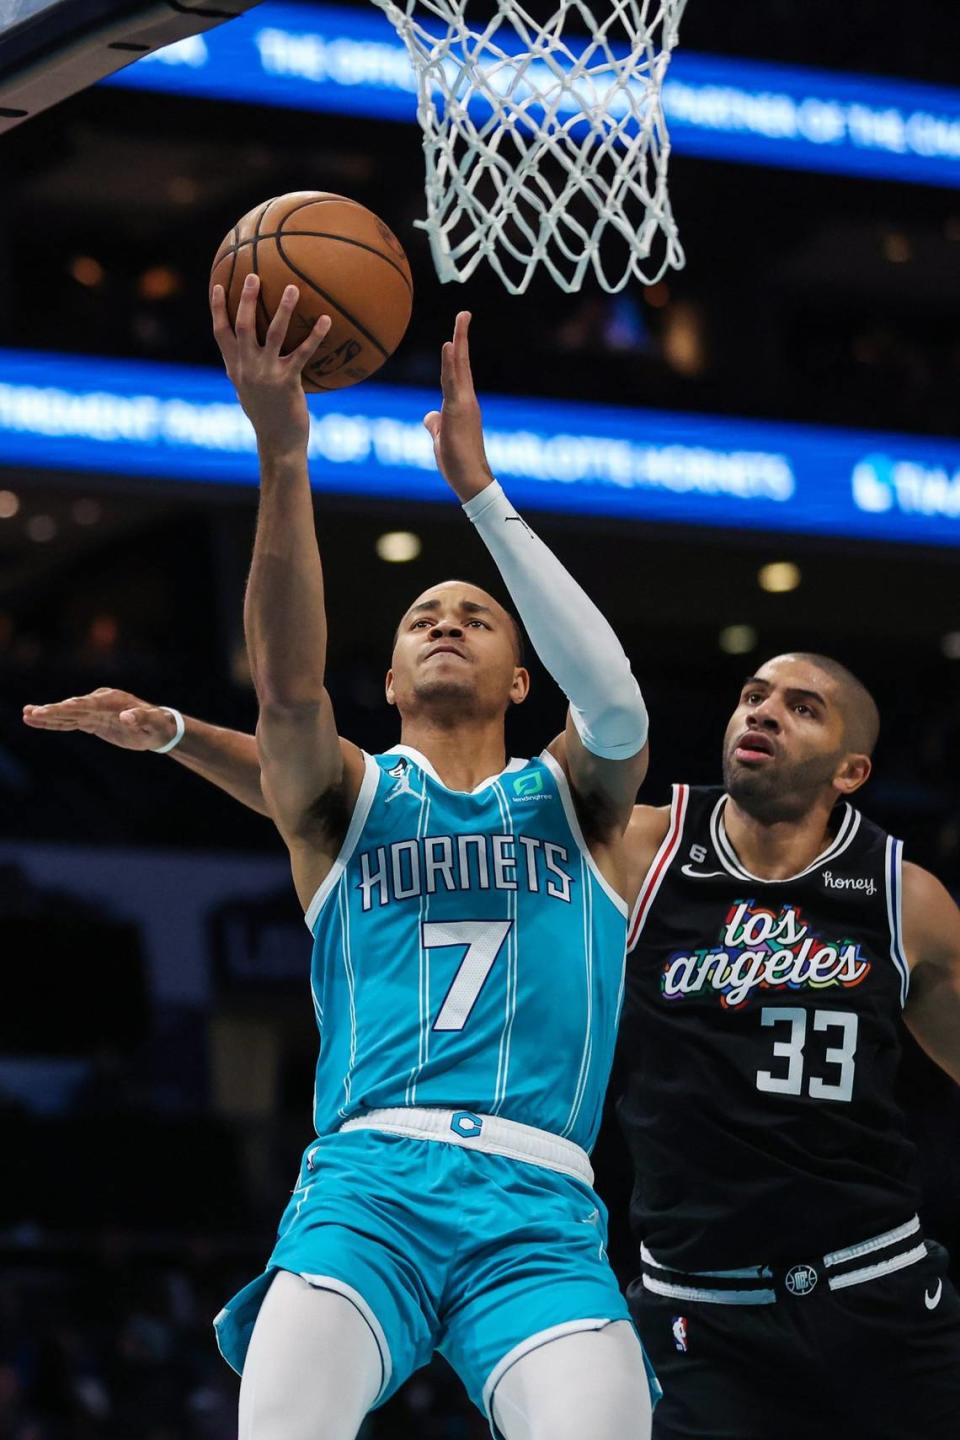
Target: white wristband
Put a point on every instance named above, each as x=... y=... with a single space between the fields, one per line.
x=178 y=736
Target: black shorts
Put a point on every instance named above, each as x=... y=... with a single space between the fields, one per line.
x=875 y=1361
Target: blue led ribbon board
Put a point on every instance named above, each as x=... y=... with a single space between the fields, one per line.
x=65 y=413
x=329 y=59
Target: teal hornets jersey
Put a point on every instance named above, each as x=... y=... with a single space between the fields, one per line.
x=468 y=953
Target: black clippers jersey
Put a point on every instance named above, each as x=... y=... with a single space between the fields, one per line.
x=759 y=1047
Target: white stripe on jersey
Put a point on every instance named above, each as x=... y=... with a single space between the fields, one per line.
x=513 y=966
x=729 y=859
x=894 y=876
x=361 y=811
x=587 y=891
x=570 y=814
x=423 y=982
x=344 y=908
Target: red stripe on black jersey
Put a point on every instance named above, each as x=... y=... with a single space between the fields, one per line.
x=661 y=862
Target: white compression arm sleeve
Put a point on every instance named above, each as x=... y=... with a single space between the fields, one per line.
x=571 y=637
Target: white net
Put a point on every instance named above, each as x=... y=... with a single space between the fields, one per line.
x=545 y=141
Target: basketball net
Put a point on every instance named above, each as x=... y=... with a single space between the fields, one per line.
x=545 y=142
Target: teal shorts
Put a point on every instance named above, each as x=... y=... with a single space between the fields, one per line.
x=442 y=1248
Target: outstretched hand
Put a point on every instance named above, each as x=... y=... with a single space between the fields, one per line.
x=457 y=429
x=112 y=715
x=268 y=384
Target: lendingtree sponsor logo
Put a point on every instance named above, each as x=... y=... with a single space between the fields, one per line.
x=529 y=786
x=881 y=484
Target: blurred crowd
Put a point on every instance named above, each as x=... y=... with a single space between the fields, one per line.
x=116 y=1344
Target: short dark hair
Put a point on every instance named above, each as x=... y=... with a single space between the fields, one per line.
x=519 y=635
x=860 y=714
x=519 y=638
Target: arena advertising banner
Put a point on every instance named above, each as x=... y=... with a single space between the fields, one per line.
x=351 y=61
x=174 y=422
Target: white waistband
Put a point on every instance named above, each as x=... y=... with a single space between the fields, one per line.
x=876 y=1242
x=489 y=1133
x=706 y=1296
x=766 y=1295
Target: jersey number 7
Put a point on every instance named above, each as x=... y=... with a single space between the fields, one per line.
x=484 y=941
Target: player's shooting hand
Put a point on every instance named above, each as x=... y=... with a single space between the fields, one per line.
x=112 y=715
x=456 y=429
x=268 y=384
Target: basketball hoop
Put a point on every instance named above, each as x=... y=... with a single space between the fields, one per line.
x=545 y=142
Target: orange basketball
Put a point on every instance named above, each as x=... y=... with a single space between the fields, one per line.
x=347 y=263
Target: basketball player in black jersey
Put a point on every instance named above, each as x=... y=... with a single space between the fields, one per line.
x=778 y=941
x=786 y=1290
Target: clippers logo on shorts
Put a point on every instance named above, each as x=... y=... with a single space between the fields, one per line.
x=679 y=1328
x=801 y=1279
x=762 y=950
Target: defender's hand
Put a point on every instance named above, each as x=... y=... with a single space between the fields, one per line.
x=457 y=430
x=268 y=384
x=112 y=715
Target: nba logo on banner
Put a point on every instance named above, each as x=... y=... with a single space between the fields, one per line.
x=679 y=1328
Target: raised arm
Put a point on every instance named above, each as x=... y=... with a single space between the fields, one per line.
x=310 y=779
x=603 y=748
x=931 y=937
x=227 y=758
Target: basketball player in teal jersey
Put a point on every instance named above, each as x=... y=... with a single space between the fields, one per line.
x=469 y=925
x=778 y=938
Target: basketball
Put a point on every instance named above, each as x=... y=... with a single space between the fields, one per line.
x=347 y=264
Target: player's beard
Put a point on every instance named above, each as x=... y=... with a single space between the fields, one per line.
x=450 y=696
x=781 y=791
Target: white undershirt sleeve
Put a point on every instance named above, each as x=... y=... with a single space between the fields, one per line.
x=568 y=632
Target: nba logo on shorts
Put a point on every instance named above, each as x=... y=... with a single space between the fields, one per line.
x=679 y=1328
x=801 y=1279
